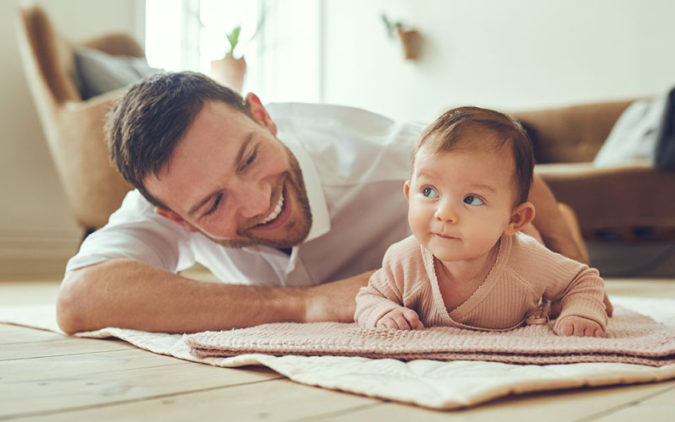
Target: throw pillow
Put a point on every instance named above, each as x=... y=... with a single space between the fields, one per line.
x=633 y=137
x=665 y=147
x=99 y=72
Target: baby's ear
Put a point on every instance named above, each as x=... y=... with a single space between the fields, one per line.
x=406 y=189
x=521 y=216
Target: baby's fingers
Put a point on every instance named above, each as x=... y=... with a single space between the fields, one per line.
x=401 y=321
x=413 y=319
x=565 y=328
x=387 y=322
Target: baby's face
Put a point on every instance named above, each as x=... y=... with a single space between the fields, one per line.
x=461 y=201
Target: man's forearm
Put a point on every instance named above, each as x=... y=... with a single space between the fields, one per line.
x=550 y=222
x=130 y=294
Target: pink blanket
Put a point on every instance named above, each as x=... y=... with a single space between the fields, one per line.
x=631 y=338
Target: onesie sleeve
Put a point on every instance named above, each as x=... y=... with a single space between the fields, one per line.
x=386 y=288
x=582 y=295
x=579 y=288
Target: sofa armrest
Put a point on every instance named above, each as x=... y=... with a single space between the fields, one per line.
x=623 y=199
x=570 y=134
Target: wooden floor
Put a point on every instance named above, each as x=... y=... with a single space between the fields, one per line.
x=48 y=377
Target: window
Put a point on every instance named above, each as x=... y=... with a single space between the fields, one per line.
x=280 y=41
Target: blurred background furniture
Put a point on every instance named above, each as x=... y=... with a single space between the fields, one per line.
x=72 y=125
x=631 y=202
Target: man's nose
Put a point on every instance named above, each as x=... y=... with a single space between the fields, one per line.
x=253 y=198
x=445 y=212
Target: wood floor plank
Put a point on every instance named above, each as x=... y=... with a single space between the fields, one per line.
x=269 y=401
x=563 y=406
x=660 y=406
x=49 y=392
x=17 y=334
x=28 y=370
x=59 y=347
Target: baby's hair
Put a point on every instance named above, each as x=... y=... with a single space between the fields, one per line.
x=449 y=130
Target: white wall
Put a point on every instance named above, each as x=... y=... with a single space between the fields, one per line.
x=510 y=54
x=35 y=221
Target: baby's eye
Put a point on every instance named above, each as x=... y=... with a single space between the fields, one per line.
x=473 y=200
x=429 y=192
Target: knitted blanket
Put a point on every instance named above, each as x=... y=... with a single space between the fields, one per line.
x=631 y=338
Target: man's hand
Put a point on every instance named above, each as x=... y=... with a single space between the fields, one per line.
x=335 y=301
x=400 y=319
x=577 y=326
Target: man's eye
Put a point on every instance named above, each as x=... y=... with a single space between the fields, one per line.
x=214 y=206
x=250 y=159
x=473 y=200
x=429 y=192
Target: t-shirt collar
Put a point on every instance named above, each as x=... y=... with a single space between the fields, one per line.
x=317 y=200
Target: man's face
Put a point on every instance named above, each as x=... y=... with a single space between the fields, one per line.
x=233 y=180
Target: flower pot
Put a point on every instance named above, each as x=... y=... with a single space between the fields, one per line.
x=229 y=71
x=411 y=42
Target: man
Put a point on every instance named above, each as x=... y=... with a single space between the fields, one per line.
x=291 y=209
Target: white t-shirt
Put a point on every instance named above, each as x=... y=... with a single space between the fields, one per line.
x=353 y=163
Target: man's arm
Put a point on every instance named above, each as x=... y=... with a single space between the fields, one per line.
x=555 y=231
x=549 y=221
x=129 y=294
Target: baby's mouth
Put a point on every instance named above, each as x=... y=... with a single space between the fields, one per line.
x=445 y=236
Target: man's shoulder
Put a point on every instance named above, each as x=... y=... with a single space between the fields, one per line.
x=134 y=205
x=314 y=111
x=346 y=120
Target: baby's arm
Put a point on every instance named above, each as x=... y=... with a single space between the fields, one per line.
x=379 y=298
x=382 y=303
x=583 y=312
x=573 y=325
x=400 y=318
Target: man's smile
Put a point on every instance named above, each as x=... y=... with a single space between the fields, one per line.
x=278 y=214
x=276 y=211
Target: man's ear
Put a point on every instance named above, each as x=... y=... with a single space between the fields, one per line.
x=175 y=218
x=521 y=215
x=258 y=110
x=406 y=189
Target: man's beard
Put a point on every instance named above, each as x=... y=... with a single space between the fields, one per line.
x=297 y=232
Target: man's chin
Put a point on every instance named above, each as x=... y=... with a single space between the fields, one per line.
x=272 y=243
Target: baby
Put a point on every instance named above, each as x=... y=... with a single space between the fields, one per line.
x=467 y=264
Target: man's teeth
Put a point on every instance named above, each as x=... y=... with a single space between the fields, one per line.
x=276 y=212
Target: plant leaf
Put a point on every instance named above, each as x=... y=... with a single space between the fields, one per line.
x=233 y=38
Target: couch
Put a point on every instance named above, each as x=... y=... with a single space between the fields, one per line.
x=632 y=202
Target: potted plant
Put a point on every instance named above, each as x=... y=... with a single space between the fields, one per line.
x=230 y=71
x=411 y=39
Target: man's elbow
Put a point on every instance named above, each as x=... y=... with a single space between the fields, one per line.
x=69 y=310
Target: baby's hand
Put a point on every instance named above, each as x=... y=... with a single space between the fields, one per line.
x=400 y=319
x=573 y=325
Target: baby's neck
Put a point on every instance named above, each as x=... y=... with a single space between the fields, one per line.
x=469 y=271
x=458 y=280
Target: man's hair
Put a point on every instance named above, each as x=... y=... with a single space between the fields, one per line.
x=146 y=124
x=450 y=130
